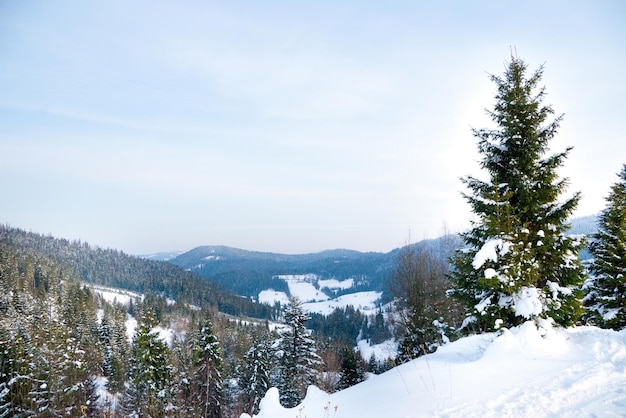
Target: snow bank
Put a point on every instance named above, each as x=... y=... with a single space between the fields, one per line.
x=522 y=372
x=131 y=327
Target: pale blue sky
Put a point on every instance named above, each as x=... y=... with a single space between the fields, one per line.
x=284 y=126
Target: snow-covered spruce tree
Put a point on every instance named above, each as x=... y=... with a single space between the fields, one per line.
x=607 y=292
x=518 y=263
x=351 y=371
x=255 y=374
x=17 y=375
x=114 y=349
x=298 y=358
x=149 y=373
x=207 y=376
x=185 y=400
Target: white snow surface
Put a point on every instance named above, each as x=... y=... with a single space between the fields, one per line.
x=307 y=288
x=270 y=296
x=526 y=302
x=131 y=328
x=363 y=301
x=386 y=349
x=522 y=372
x=301 y=285
x=113 y=295
x=490 y=251
x=336 y=284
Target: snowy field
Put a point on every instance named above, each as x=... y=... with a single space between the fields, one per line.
x=386 y=349
x=270 y=297
x=336 y=284
x=364 y=301
x=112 y=295
x=576 y=372
x=301 y=285
x=307 y=288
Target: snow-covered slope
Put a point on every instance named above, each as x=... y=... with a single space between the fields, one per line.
x=524 y=372
x=308 y=288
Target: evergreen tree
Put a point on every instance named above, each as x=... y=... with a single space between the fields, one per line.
x=114 y=348
x=185 y=400
x=351 y=371
x=207 y=377
x=255 y=374
x=518 y=264
x=607 y=292
x=298 y=359
x=149 y=374
x=17 y=374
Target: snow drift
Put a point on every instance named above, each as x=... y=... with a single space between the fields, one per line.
x=522 y=372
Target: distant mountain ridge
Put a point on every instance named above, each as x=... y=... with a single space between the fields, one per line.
x=250 y=272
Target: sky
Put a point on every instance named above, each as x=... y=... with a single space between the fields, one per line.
x=284 y=126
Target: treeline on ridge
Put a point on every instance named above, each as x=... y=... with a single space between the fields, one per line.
x=113 y=268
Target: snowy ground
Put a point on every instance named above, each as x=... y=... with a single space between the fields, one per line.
x=113 y=295
x=386 y=349
x=577 y=372
x=364 y=301
x=307 y=288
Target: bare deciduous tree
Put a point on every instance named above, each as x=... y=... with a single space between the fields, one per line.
x=419 y=284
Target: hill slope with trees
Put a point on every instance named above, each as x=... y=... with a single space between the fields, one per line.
x=113 y=268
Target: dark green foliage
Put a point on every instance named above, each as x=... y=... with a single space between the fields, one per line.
x=255 y=374
x=149 y=373
x=115 y=349
x=249 y=272
x=207 y=375
x=113 y=268
x=607 y=291
x=182 y=355
x=298 y=358
x=351 y=371
x=47 y=352
x=519 y=216
x=348 y=324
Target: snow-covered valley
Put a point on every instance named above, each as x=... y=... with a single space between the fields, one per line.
x=309 y=289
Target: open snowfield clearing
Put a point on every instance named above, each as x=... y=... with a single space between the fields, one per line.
x=112 y=295
x=301 y=285
x=336 y=284
x=270 y=297
x=314 y=300
x=306 y=292
x=363 y=301
x=524 y=372
x=386 y=349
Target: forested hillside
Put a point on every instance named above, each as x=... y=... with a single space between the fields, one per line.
x=113 y=268
x=249 y=272
x=69 y=346
x=67 y=350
